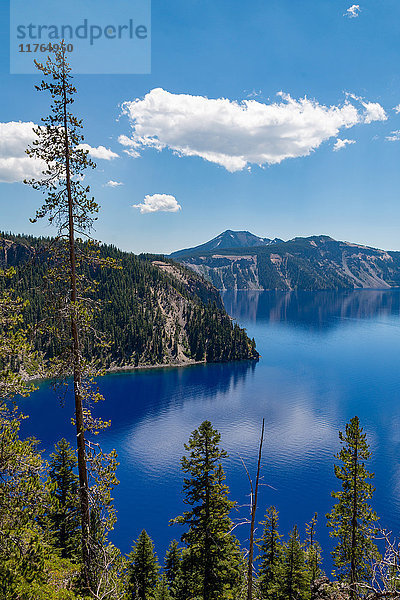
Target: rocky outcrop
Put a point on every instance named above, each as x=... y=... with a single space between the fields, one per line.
x=323 y=589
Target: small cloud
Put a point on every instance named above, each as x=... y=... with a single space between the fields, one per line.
x=353 y=11
x=397 y=108
x=130 y=144
x=112 y=183
x=339 y=144
x=373 y=112
x=254 y=94
x=125 y=141
x=101 y=152
x=158 y=203
x=394 y=136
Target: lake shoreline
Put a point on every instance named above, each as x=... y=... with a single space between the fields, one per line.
x=127 y=368
x=133 y=368
x=155 y=366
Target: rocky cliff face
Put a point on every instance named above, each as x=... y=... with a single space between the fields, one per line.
x=314 y=263
x=228 y=272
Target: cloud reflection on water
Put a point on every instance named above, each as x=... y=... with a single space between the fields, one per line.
x=294 y=430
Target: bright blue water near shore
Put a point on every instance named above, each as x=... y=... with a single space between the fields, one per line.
x=326 y=357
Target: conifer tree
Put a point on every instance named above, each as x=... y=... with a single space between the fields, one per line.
x=312 y=551
x=64 y=517
x=270 y=556
x=69 y=206
x=186 y=583
x=172 y=565
x=29 y=565
x=143 y=569
x=162 y=590
x=352 y=518
x=214 y=555
x=22 y=552
x=293 y=579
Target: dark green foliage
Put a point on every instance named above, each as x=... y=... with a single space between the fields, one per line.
x=270 y=557
x=17 y=356
x=22 y=551
x=287 y=570
x=352 y=518
x=213 y=564
x=143 y=569
x=29 y=564
x=313 y=551
x=186 y=584
x=212 y=337
x=153 y=311
x=172 y=565
x=64 y=516
x=162 y=590
x=293 y=580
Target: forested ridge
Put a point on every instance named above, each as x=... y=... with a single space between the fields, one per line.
x=153 y=311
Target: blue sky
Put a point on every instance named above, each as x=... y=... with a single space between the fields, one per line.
x=203 y=50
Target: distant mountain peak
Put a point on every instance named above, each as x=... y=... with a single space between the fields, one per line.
x=316 y=262
x=228 y=239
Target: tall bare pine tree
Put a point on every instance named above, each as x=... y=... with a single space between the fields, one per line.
x=69 y=206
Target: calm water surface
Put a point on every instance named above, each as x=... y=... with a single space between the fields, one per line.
x=326 y=357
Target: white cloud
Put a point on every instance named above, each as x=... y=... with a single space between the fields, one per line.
x=394 y=136
x=339 y=144
x=236 y=135
x=373 y=112
x=112 y=183
x=130 y=144
x=254 y=94
x=15 y=165
x=158 y=203
x=353 y=11
x=397 y=108
x=101 y=152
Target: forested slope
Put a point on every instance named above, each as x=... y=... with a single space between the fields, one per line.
x=154 y=311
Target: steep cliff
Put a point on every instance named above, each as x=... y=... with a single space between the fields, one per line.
x=313 y=263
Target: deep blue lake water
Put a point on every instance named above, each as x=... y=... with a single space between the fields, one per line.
x=326 y=357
